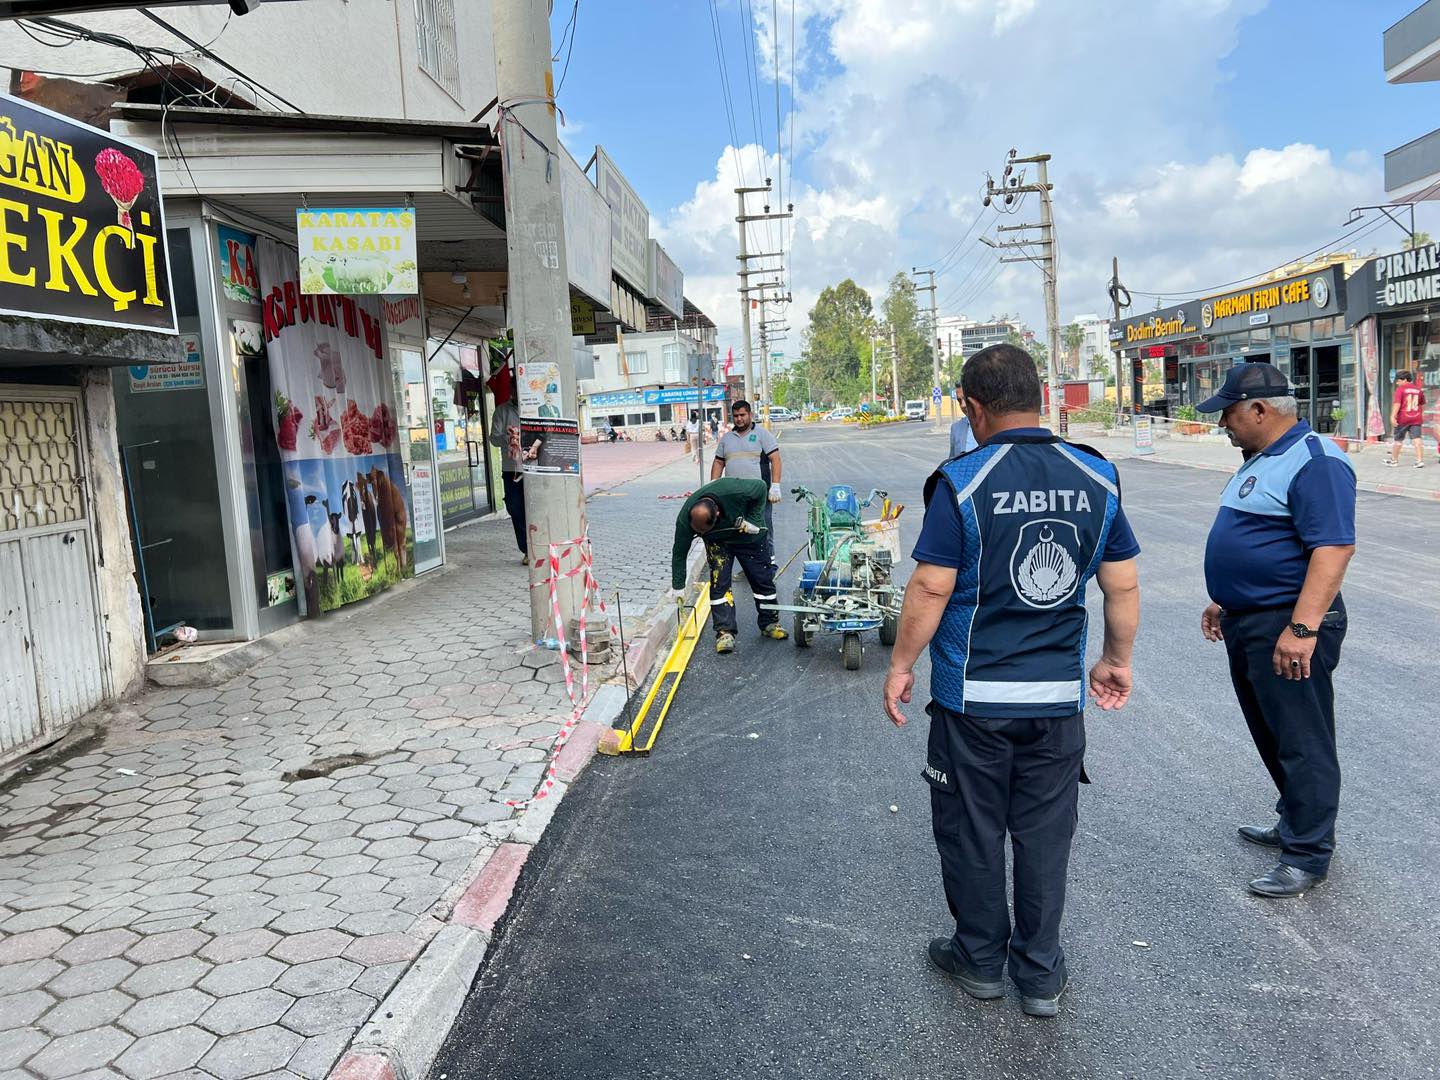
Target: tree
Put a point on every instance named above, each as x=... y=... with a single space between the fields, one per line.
x=784 y=389
x=1073 y=337
x=1100 y=366
x=1419 y=240
x=912 y=338
x=836 y=339
x=1036 y=348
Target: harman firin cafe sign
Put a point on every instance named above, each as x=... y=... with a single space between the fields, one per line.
x=82 y=231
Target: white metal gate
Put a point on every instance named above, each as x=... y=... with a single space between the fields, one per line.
x=53 y=662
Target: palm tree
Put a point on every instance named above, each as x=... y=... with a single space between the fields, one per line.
x=1073 y=336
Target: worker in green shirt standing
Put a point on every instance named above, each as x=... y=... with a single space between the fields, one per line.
x=729 y=516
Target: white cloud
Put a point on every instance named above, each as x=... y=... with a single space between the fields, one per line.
x=904 y=105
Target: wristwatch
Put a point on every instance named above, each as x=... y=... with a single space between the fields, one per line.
x=1300 y=630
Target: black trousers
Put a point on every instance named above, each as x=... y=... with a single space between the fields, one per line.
x=987 y=777
x=754 y=559
x=1293 y=725
x=515 y=504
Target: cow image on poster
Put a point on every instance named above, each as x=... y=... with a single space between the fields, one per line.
x=394 y=518
x=350 y=513
x=367 y=513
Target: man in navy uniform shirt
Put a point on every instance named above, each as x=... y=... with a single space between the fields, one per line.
x=1273 y=566
x=1014 y=530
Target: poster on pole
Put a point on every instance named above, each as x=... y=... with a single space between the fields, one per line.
x=334 y=412
x=538 y=393
x=550 y=447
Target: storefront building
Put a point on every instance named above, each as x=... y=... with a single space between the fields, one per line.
x=645 y=382
x=1394 y=310
x=85 y=301
x=329 y=429
x=1299 y=324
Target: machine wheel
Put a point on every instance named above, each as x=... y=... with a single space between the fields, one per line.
x=889 y=630
x=802 y=637
x=850 y=651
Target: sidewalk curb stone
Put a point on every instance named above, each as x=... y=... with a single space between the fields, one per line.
x=403 y=1036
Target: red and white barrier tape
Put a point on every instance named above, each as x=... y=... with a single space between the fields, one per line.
x=590 y=589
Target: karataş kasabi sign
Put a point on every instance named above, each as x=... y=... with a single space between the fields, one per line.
x=82 y=229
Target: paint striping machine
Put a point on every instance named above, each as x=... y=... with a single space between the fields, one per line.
x=847 y=582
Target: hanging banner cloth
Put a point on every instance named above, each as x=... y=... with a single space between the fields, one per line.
x=334 y=409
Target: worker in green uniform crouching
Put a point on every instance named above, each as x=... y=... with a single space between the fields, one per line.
x=729 y=516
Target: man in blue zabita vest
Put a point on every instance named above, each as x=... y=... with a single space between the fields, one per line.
x=1014 y=531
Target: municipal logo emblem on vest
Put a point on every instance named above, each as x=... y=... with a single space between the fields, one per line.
x=1043 y=566
x=1247 y=487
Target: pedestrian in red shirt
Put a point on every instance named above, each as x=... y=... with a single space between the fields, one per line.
x=1406 y=415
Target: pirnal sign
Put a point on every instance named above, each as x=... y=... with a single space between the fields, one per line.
x=355 y=251
x=667 y=282
x=82 y=226
x=629 y=223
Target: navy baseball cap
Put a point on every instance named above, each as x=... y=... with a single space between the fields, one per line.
x=1245 y=383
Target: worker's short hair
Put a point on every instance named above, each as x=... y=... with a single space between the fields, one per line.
x=707 y=503
x=1002 y=379
x=741 y=404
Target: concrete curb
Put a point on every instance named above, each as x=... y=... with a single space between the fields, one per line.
x=404 y=1034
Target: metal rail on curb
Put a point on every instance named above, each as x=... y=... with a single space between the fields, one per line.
x=687 y=635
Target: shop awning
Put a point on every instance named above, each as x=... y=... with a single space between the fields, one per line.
x=268 y=165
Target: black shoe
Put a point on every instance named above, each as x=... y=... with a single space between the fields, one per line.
x=943 y=957
x=1258 y=834
x=1043 y=1006
x=1285 y=881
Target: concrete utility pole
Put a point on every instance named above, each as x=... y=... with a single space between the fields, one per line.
x=538 y=288
x=1009 y=188
x=743 y=219
x=894 y=370
x=873 y=387
x=934 y=336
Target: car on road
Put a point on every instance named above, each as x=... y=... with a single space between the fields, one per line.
x=915 y=410
x=844 y=412
x=779 y=413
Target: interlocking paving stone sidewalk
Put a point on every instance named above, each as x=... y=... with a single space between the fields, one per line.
x=228 y=881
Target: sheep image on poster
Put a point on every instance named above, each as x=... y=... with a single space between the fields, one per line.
x=335 y=423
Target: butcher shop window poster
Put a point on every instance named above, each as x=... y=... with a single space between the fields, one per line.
x=349 y=508
x=82 y=228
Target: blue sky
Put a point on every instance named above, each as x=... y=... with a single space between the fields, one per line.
x=1198 y=140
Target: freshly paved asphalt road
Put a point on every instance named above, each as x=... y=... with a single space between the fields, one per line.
x=739 y=907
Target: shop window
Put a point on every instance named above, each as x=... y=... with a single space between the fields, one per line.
x=648 y=418
x=453 y=372
x=436 y=42
x=638 y=362
x=1321 y=329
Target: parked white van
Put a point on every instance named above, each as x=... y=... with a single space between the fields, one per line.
x=915 y=410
